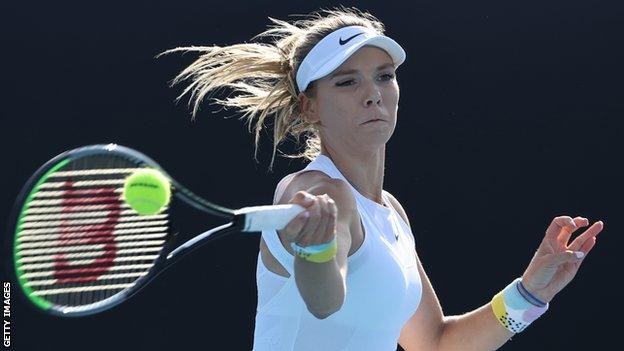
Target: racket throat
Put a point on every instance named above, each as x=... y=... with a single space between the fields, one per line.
x=274 y=217
x=198 y=241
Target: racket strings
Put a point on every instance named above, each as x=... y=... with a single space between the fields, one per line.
x=77 y=242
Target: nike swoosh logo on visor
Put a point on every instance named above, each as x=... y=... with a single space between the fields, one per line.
x=342 y=42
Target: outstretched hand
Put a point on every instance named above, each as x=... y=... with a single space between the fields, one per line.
x=556 y=262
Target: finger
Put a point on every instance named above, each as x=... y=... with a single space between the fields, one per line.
x=586 y=248
x=556 y=227
x=591 y=232
x=588 y=245
x=319 y=236
x=330 y=233
x=303 y=198
x=303 y=239
x=564 y=257
x=581 y=221
x=292 y=229
x=566 y=232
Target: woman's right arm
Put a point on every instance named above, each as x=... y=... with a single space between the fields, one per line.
x=331 y=208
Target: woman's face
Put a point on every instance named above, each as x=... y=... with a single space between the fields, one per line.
x=355 y=107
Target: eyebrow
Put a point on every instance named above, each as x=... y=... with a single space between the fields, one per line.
x=349 y=71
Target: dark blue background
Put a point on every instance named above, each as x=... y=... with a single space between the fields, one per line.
x=510 y=114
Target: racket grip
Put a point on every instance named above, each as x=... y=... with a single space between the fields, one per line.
x=258 y=218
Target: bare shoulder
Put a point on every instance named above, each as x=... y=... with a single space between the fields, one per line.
x=397 y=206
x=318 y=183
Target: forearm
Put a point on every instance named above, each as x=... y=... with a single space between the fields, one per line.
x=321 y=286
x=477 y=330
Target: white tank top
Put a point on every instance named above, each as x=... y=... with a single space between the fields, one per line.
x=383 y=286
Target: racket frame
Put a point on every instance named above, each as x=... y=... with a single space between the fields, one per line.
x=167 y=256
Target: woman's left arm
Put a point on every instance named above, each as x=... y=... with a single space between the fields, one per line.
x=553 y=266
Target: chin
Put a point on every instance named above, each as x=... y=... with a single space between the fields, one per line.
x=373 y=141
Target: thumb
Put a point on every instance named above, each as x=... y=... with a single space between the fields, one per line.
x=568 y=256
x=303 y=198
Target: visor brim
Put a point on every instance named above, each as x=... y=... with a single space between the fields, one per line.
x=394 y=50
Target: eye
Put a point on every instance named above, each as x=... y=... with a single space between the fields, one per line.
x=387 y=76
x=345 y=83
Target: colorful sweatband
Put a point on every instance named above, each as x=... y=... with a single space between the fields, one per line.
x=528 y=296
x=513 y=310
x=316 y=253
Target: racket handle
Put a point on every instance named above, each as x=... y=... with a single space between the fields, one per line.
x=258 y=218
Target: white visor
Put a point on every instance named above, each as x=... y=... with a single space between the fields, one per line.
x=337 y=47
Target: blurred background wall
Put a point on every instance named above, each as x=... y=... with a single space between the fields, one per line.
x=510 y=114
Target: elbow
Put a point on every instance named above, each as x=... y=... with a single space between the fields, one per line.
x=322 y=313
x=446 y=321
x=327 y=307
x=324 y=295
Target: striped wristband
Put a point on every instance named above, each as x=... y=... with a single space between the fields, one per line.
x=513 y=310
x=316 y=253
x=528 y=296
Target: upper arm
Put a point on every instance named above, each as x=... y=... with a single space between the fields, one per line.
x=424 y=329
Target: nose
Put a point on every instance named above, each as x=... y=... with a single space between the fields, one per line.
x=373 y=97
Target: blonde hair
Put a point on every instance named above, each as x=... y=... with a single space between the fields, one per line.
x=263 y=75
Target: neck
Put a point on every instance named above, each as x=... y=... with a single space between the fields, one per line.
x=364 y=171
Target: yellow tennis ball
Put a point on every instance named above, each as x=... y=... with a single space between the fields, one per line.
x=147 y=191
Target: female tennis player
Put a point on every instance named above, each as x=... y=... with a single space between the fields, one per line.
x=345 y=274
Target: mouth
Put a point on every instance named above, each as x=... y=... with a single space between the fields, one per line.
x=374 y=120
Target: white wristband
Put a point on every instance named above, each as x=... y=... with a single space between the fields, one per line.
x=514 y=311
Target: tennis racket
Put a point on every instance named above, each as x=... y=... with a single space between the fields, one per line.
x=79 y=249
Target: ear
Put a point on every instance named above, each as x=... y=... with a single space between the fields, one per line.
x=308 y=108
